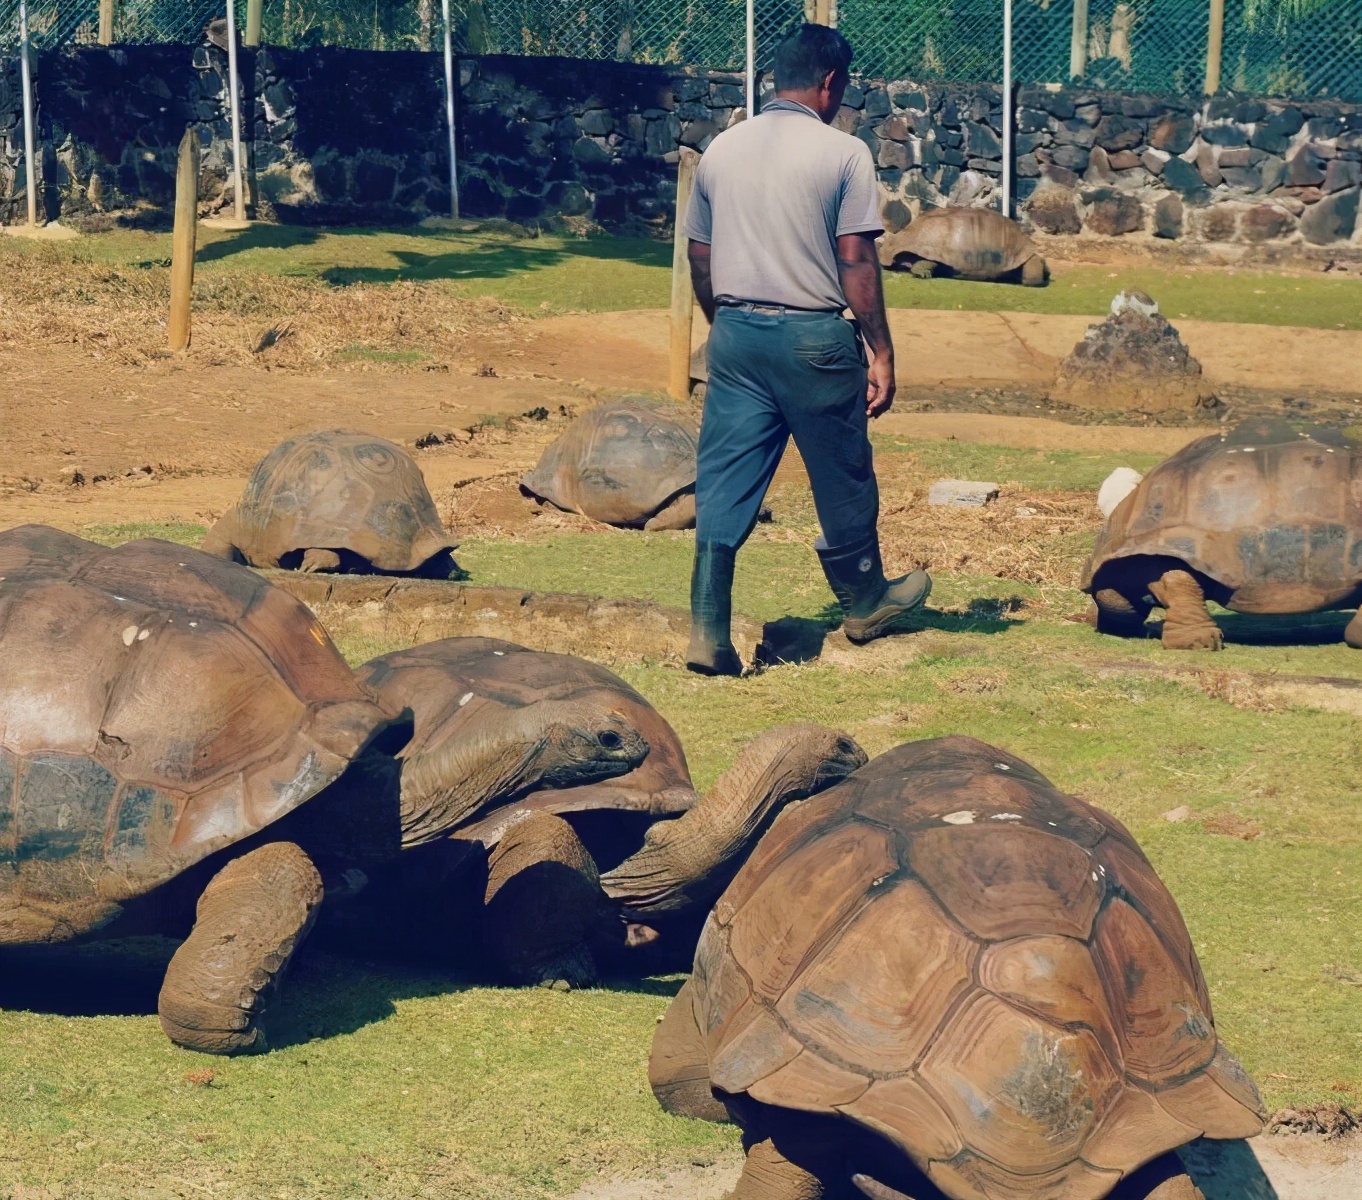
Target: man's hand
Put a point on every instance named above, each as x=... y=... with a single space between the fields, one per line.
x=858 y=267
x=703 y=285
x=880 y=385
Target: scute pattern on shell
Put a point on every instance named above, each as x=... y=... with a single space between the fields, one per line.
x=619 y=463
x=156 y=705
x=977 y=243
x=336 y=490
x=915 y=950
x=1271 y=513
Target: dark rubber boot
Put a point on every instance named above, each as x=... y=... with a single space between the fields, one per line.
x=711 y=612
x=872 y=603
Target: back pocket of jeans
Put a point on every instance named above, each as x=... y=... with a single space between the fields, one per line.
x=836 y=354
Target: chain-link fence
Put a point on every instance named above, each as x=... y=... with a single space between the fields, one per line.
x=1270 y=47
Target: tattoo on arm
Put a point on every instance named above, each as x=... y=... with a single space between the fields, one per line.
x=698 y=253
x=858 y=268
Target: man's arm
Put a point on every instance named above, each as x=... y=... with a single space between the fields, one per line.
x=858 y=268
x=698 y=253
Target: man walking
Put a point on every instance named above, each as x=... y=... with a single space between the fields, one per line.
x=782 y=226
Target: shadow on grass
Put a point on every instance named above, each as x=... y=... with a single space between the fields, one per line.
x=1252 y=629
x=259 y=236
x=800 y=639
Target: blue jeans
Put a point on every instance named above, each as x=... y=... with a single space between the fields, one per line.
x=773 y=376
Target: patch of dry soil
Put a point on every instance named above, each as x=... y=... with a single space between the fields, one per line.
x=1267 y=1168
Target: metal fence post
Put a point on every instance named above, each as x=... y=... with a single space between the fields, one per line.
x=751 y=59
x=30 y=133
x=234 y=94
x=1078 y=41
x=450 y=84
x=106 y=22
x=253 y=18
x=1215 y=44
x=1006 y=205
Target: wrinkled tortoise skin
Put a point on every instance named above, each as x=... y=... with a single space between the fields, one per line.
x=623 y=464
x=948 y=951
x=353 y=493
x=156 y=705
x=1270 y=516
x=975 y=243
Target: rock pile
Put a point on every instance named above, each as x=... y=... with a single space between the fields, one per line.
x=1133 y=360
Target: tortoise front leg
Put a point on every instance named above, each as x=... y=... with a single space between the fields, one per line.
x=1353 y=633
x=768 y=1175
x=1118 y=614
x=252 y=916
x=319 y=560
x=1187 y=624
x=677 y=513
x=678 y=1067
x=544 y=903
x=1163 y=1179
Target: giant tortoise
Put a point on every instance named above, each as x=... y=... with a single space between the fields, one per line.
x=1263 y=518
x=629 y=463
x=168 y=719
x=973 y=243
x=335 y=500
x=527 y=872
x=943 y=977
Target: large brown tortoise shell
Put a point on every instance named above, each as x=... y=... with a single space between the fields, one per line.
x=948 y=951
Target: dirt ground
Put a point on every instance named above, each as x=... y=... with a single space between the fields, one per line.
x=1267 y=1168
x=88 y=440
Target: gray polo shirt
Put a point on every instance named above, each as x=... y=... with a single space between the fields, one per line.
x=772 y=196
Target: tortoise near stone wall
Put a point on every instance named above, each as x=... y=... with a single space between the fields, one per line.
x=1264 y=518
x=945 y=978
x=630 y=464
x=972 y=243
x=336 y=500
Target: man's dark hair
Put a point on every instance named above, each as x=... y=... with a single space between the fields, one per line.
x=806 y=58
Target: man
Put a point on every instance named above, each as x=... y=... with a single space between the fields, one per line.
x=782 y=227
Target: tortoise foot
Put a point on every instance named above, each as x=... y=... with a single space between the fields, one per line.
x=544 y=904
x=320 y=560
x=1353 y=633
x=251 y=918
x=1034 y=272
x=922 y=269
x=1195 y=637
x=1187 y=625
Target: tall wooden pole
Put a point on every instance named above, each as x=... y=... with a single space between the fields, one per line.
x=183 y=240
x=683 y=295
x=253 y=20
x=30 y=126
x=451 y=83
x=822 y=12
x=1078 y=41
x=1215 y=46
x=106 y=22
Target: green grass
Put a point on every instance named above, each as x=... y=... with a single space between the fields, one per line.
x=562 y=273
x=397 y=1082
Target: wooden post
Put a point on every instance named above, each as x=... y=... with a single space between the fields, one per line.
x=683 y=295
x=253 y=18
x=106 y=22
x=1078 y=41
x=822 y=12
x=183 y=239
x=1215 y=45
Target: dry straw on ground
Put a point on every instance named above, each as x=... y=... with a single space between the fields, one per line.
x=47 y=297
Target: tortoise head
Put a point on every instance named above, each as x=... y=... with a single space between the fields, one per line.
x=579 y=742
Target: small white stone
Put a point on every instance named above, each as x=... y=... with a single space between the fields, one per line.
x=129 y=634
x=142 y=637
x=499 y=653
x=1002 y=766
x=465 y=698
x=963 y=817
x=1116 y=487
x=1006 y=817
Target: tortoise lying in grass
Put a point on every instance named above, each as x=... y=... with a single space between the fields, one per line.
x=944 y=977
x=336 y=501
x=630 y=464
x=972 y=243
x=1264 y=518
x=169 y=720
x=526 y=874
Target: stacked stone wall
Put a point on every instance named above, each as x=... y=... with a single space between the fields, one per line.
x=358 y=136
